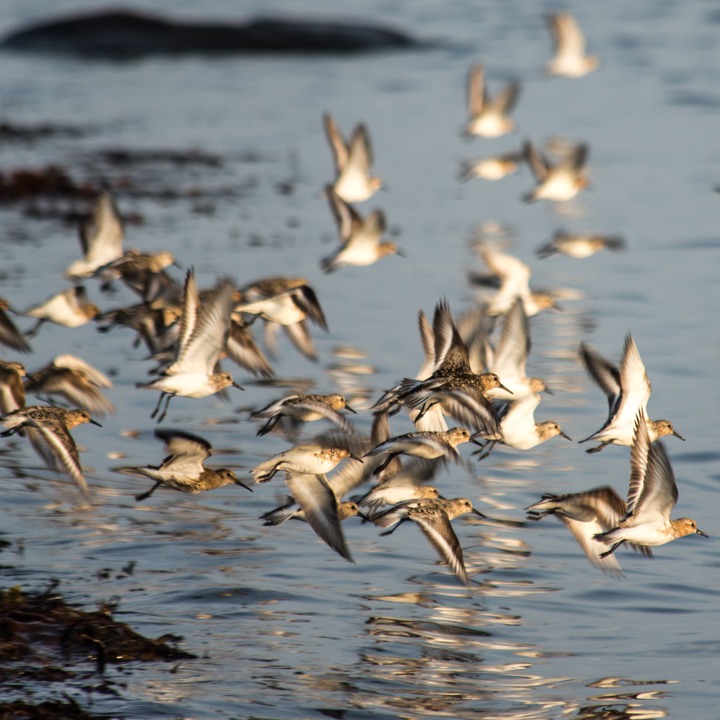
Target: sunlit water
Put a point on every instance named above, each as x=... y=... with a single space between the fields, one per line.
x=283 y=627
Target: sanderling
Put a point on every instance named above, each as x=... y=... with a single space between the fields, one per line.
x=75 y=380
x=570 y=59
x=579 y=246
x=489 y=118
x=518 y=428
x=9 y=334
x=560 y=181
x=360 y=237
x=651 y=497
x=315 y=500
x=353 y=182
x=313 y=457
x=69 y=308
x=495 y=167
x=628 y=391
x=286 y=302
x=514 y=277
x=509 y=358
x=101 y=237
x=203 y=330
x=587 y=514
x=12 y=389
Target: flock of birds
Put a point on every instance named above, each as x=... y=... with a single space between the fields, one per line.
x=478 y=382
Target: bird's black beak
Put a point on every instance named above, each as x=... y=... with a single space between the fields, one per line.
x=239 y=387
x=700 y=532
x=94 y=422
x=242 y=484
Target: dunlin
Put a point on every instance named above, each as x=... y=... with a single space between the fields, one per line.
x=452 y=384
x=495 y=167
x=360 y=237
x=293 y=410
x=652 y=495
x=183 y=468
x=143 y=273
x=489 y=118
x=203 y=331
x=628 y=391
x=570 y=59
x=48 y=429
x=353 y=182
x=422 y=444
x=433 y=518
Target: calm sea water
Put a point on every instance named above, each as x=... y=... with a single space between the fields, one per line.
x=283 y=627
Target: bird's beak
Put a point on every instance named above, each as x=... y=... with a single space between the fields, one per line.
x=502 y=387
x=700 y=532
x=400 y=253
x=242 y=484
x=678 y=435
x=94 y=422
x=476 y=441
x=548 y=390
x=239 y=387
x=355 y=457
x=567 y=437
x=363 y=516
x=349 y=409
x=479 y=514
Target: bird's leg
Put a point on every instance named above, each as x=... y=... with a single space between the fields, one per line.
x=146 y=495
x=390 y=458
x=33 y=331
x=612 y=549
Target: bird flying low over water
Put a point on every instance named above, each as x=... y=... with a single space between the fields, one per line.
x=652 y=495
x=353 y=182
x=628 y=391
x=361 y=238
x=557 y=181
x=570 y=59
x=293 y=410
x=48 y=429
x=183 y=468
x=489 y=117
x=101 y=238
x=433 y=518
x=204 y=329
x=586 y=514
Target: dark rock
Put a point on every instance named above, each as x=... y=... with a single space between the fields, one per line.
x=125 y=35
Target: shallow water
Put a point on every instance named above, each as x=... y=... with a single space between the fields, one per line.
x=285 y=628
